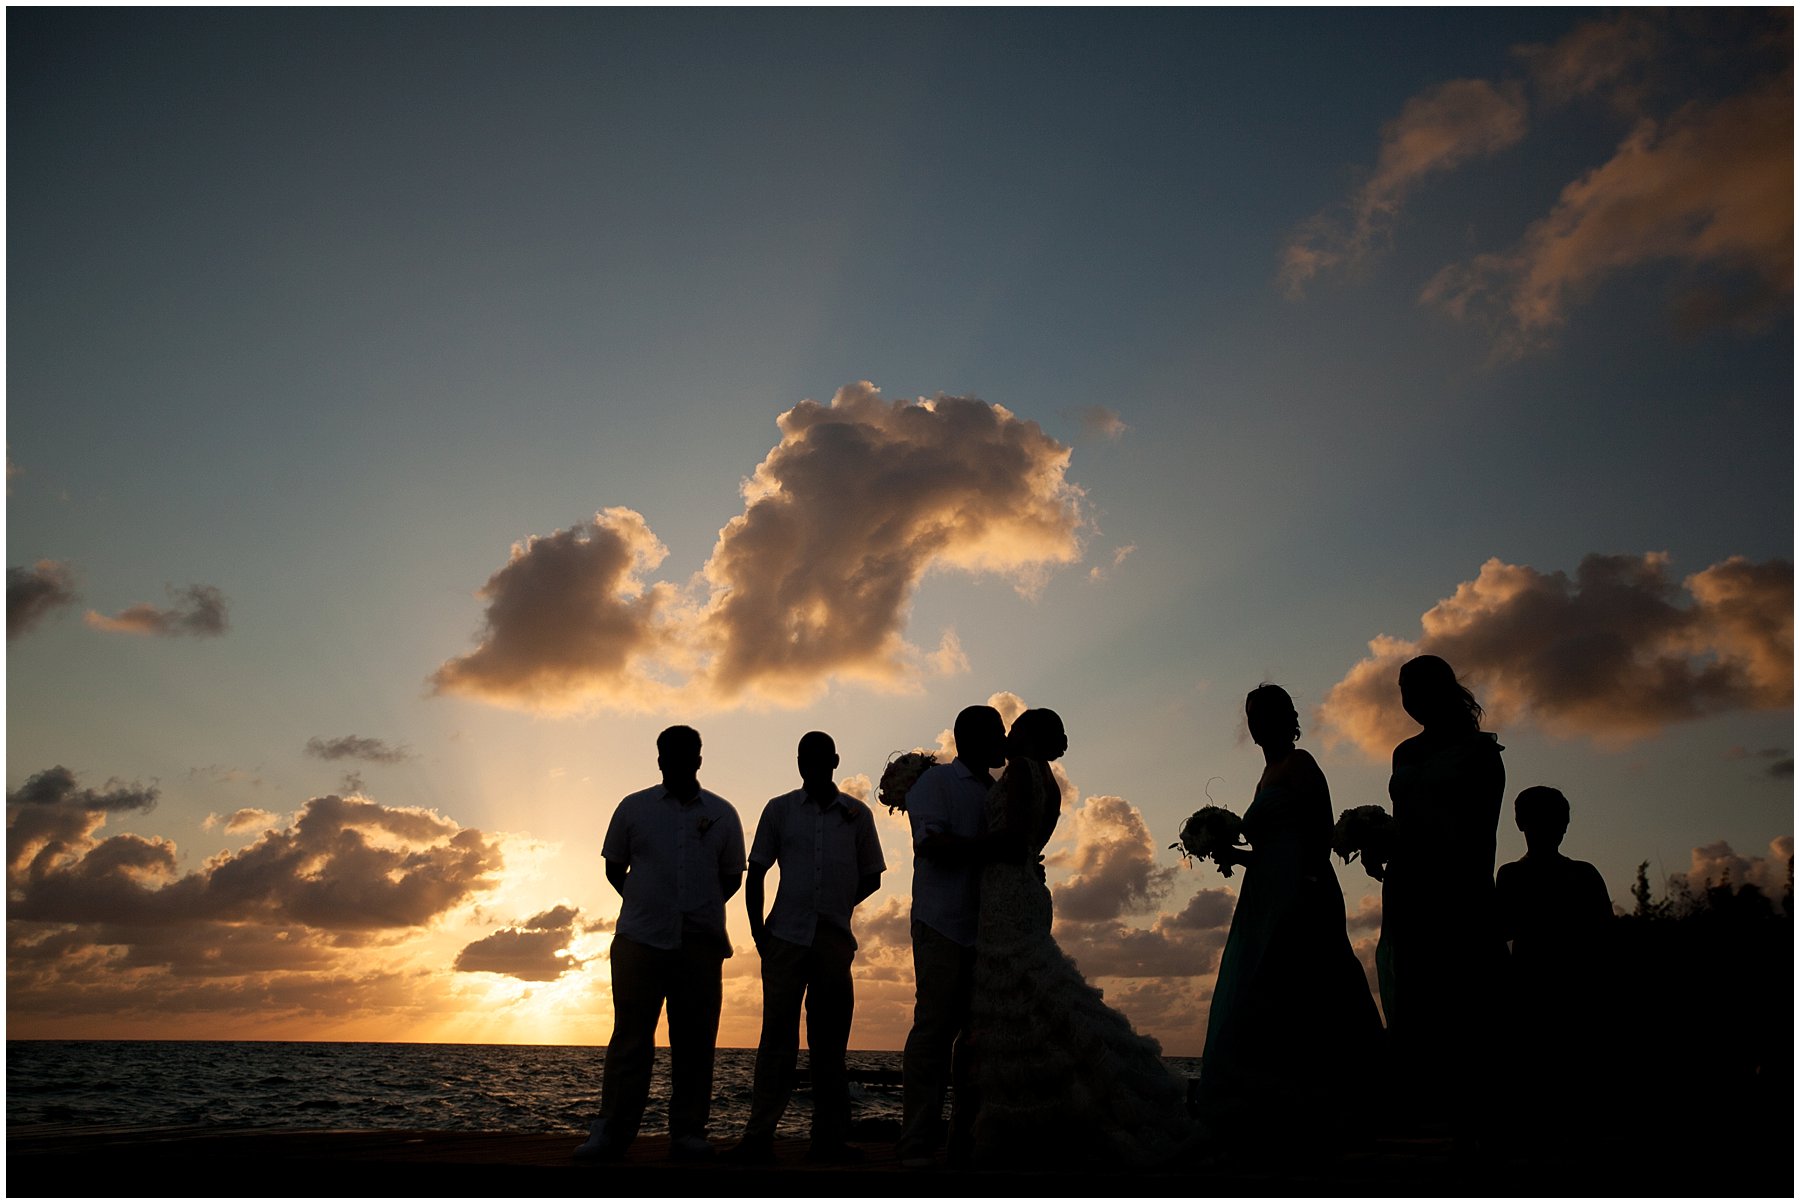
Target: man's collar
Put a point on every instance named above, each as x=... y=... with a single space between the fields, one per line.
x=687 y=802
x=969 y=771
x=836 y=798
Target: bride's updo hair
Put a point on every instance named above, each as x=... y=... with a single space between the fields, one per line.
x=1266 y=708
x=1431 y=694
x=1036 y=733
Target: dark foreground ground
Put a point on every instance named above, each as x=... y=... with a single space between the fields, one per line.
x=86 y=1161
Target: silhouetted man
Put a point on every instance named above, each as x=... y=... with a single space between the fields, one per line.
x=675 y=853
x=830 y=859
x=947 y=808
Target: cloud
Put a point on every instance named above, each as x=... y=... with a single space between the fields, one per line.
x=949 y=660
x=534 y=951
x=1183 y=944
x=1114 y=864
x=199 y=610
x=356 y=748
x=1779 y=761
x=1596 y=57
x=1100 y=573
x=811 y=584
x=1705 y=185
x=1613 y=654
x=1099 y=422
x=1709 y=189
x=49 y=817
x=244 y=819
x=571 y=621
x=1717 y=864
x=345 y=865
x=308 y=917
x=1435 y=131
x=32 y=593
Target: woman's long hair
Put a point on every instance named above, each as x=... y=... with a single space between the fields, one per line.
x=1432 y=682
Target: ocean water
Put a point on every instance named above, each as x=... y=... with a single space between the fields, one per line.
x=362 y=1085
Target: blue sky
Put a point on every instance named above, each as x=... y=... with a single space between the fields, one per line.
x=328 y=310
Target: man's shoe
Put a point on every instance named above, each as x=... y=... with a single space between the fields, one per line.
x=750 y=1152
x=598 y=1147
x=834 y=1151
x=690 y=1148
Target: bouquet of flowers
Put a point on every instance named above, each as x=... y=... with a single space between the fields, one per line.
x=903 y=769
x=1368 y=831
x=1210 y=832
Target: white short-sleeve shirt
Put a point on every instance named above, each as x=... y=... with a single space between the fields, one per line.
x=947 y=897
x=823 y=852
x=677 y=853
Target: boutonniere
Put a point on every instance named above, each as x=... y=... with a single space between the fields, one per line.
x=706 y=821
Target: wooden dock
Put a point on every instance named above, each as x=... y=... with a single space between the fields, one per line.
x=58 y=1160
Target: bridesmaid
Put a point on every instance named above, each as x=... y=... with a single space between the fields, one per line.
x=1292 y=1020
x=1441 y=958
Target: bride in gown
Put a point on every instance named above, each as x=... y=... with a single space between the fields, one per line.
x=1062 y=1078
x=1292 y=1019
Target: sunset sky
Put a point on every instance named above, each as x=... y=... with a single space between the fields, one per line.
x=410 y=413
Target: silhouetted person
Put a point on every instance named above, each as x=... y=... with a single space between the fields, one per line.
x=830 y=859
x=1441 y=959
x=1291 y=1018
x=675 y=853
x=1063 y=1080
x=947 y=808
x=1558 y=915
x=1556 y=911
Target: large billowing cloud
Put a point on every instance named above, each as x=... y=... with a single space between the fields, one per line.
x=1114 y=864
x=1710 y=189
x=812 y=583
x=570 y=621
x=534 y=951
x=199 y=610
x=1704 y=185
x=1112 y=874
x=111 y=922
x=1612 y=654
x=1182 y=944
x=1435 y=131
x=32 y=593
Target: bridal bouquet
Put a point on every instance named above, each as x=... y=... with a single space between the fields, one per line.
x=1210 y=832
x=1368 y=831
x=903 y=769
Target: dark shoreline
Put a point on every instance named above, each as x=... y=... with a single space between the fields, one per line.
x=56 y=1160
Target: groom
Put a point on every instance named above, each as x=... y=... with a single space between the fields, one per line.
x=947 y=808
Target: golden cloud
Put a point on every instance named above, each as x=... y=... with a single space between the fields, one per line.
x=1612 y=654
x=811 y=584
x=1114 y=864
x=1435 y=131
x=534 y=951
x=1711 y=188
x=111 y=924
